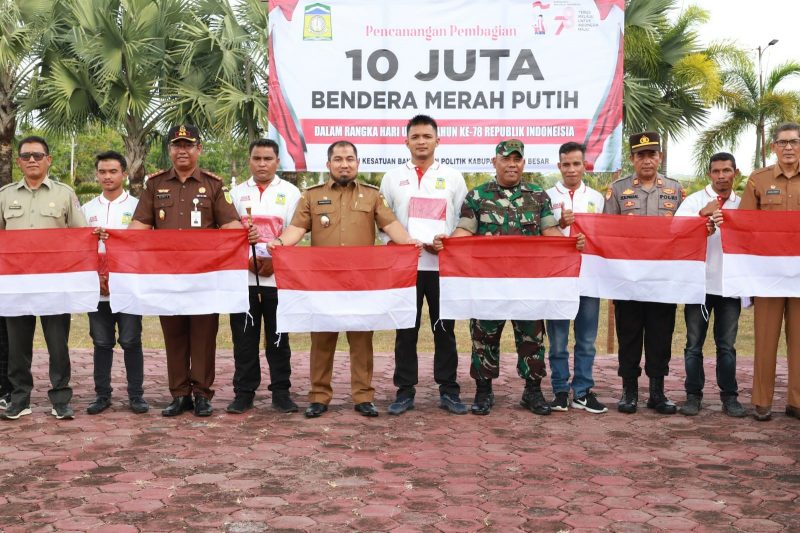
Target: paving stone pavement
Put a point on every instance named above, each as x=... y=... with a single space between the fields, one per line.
x=424 y=471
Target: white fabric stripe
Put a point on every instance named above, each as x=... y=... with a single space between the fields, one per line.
x=49 y=294
x=303 y=311
x=754 y=275
x=508 y=298
x=179 y=294
x=665 y=281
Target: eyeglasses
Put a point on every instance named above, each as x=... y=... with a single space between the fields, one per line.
x=783 y=143
x=37 y=156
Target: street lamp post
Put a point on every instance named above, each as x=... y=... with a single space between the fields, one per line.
x=761 y=51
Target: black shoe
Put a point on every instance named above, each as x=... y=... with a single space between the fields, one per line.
x=560 y=402
x=62 y=411
x=630 y=396
x=762 y=414
x=239 y=405
x=100 y=404
x=5 y=401
x=202 y=407
x=401 y=405
x=452 y=403
x=589 y=403
x=284 y=403
x=533 y=399
x=732 y=407
x=14 y=411
x=366 y=409
x=658 y=400
x=178 y=406
x=138 y=405
x=692 y=405
x=791 y=411
x=315 y=409
x=484 y=398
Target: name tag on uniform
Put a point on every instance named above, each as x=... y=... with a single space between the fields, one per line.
x=324 y=202
x=773 y=191
x=15 y=206
x=196 y=220
x=162 y=196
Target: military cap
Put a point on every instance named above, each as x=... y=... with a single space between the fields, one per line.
x=184 y=132
x=647 y=140
x=509 y=146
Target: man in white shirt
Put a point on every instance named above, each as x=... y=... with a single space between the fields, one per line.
x=272 y=201
x=570 y=196
x=426 y=197
x=113 y=210
x=717 y=194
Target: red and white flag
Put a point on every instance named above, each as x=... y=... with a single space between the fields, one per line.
x=48 y=272
x=761 y=253
x=648 y=259
x=349 y=288
x=509 y=278
x=178 y=272
x=427 y=218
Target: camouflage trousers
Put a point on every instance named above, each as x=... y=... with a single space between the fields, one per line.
x=528 y=336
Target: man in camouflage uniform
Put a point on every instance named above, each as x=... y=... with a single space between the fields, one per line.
x=648 y=324
x=507 y=206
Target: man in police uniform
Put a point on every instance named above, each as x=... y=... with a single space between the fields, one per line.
x=266 y=195
x=38 y=202
x=644 y=193
x=507 y=206
x=113 y=209
x=423 y=179
x=186 y=197
x=327 y=210
x=776 y=188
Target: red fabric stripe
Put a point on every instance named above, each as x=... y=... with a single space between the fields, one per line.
x=510 y=257
x=347 y=268
x=168 y=251
x=766 y=233
x=48 y=251
x=610 y=113
x=268 y=226
x=427 y=208
x=643 y=238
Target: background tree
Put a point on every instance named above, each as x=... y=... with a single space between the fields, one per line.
x=747 y=106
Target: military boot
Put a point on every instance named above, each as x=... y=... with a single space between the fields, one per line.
x=484 y=397
x=658 y=400
x=630 y=396
x=533 y=399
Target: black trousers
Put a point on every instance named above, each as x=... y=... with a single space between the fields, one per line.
x=445 y=356
x=5 y=385
x=246 y=344
x=648 y=324
x=20 y=357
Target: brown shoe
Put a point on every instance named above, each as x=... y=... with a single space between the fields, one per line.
x=762 y=414
x=791 y=410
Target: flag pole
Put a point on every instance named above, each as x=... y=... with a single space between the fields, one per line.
x=253 y=250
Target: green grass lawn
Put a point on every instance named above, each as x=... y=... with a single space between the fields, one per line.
x=384 y=340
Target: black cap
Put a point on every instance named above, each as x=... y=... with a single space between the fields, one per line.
x=647 y=140
x=184 y=132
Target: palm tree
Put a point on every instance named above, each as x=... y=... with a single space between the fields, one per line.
x=23 y=25
x=116 y=62
x=747 y=105
x=670 y=79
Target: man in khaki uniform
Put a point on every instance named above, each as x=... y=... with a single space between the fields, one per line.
x=37 y=202
x=776 y=188
x=342 y=212
x=648 y=324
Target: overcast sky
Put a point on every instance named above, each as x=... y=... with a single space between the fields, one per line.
x=748 y=23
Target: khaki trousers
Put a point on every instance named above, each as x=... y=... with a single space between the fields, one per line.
x=191 y=344
x=769 y=314
x=323 y=346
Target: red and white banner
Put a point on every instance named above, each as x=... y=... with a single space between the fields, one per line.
x=509 y=278
x=351 y=288
x=178 y=272
x=761 y=253
x=648 y=259
x=542 y=72
x=48 y=272
x=427 y=218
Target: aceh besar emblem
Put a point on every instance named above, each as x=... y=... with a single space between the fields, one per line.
x=317 y=23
